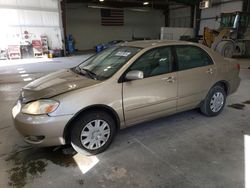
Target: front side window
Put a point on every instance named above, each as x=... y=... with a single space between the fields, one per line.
x=154 y=62
x=104 y=64
x=191 y=57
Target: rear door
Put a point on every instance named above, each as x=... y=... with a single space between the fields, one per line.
x=196 y=72
x=156 y=94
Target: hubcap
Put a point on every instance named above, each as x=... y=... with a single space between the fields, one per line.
x=217 y=102
x=95 y=134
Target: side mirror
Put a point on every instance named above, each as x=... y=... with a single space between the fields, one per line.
x=134 y=75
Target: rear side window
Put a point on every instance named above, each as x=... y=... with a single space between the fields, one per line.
x=191 y=57
x=155 y=62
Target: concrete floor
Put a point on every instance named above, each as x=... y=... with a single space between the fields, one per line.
x=183 y=150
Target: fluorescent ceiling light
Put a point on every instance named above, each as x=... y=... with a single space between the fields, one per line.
x=138 y=10
x=145 y=3
x=131 y=9
x=103 y=7
x=101 y=0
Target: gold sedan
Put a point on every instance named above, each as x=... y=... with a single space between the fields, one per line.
x=120 y=87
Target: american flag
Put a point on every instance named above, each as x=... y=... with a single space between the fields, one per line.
x=112 y=17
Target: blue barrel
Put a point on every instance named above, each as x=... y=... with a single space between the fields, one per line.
x=71 y=47
x=70 y=44
x=99 y=48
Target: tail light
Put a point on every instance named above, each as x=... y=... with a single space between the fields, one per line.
x=238 y=66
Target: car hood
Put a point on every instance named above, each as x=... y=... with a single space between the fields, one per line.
x=54 y=84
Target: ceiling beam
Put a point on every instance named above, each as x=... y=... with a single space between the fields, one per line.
x=137 y=3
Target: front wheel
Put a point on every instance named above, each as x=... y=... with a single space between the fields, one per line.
x=214 y=102
x=93 y=133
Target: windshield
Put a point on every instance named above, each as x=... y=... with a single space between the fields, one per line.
x=106 y=63
x=229 y=20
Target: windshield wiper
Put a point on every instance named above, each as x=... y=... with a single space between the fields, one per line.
x=85 y=72
x=89 y=73
x=76 y=69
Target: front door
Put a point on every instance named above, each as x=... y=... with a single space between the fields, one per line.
x=156 y=94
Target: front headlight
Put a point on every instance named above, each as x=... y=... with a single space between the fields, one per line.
x=39 y=107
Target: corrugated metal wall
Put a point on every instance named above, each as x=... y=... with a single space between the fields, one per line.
x=85 y=25
x=180 y=16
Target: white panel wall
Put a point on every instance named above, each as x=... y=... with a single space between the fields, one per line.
x=85 y=26
x=208 y=15
x=51 y=4
x=38 y=17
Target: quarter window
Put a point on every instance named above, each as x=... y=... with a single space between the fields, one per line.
x=191 y=57
x=155 y=62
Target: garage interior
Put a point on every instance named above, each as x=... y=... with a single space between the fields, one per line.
x=183 y=150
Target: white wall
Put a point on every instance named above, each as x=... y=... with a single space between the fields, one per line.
x=38 y=17
x=208 y=15
x=85 y=26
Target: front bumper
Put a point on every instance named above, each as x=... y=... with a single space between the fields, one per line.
x=41 y=130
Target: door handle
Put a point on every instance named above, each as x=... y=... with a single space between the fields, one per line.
x=209 y=71
x=170 y=79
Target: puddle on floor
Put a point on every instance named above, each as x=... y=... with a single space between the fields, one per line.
x=246 y=102
x=6 y=127
x=31 y=163
x=237 y=106
x=19 y=175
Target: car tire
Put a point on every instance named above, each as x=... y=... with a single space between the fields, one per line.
x=247 y=52
x=93 y=132
x=225 y=48
x=214 y=102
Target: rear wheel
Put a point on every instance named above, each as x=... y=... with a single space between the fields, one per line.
x=214 y=102
x=225 y=48
x=247 y=47
x=93 y=133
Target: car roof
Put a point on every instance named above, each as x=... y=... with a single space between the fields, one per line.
x=154 y=43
